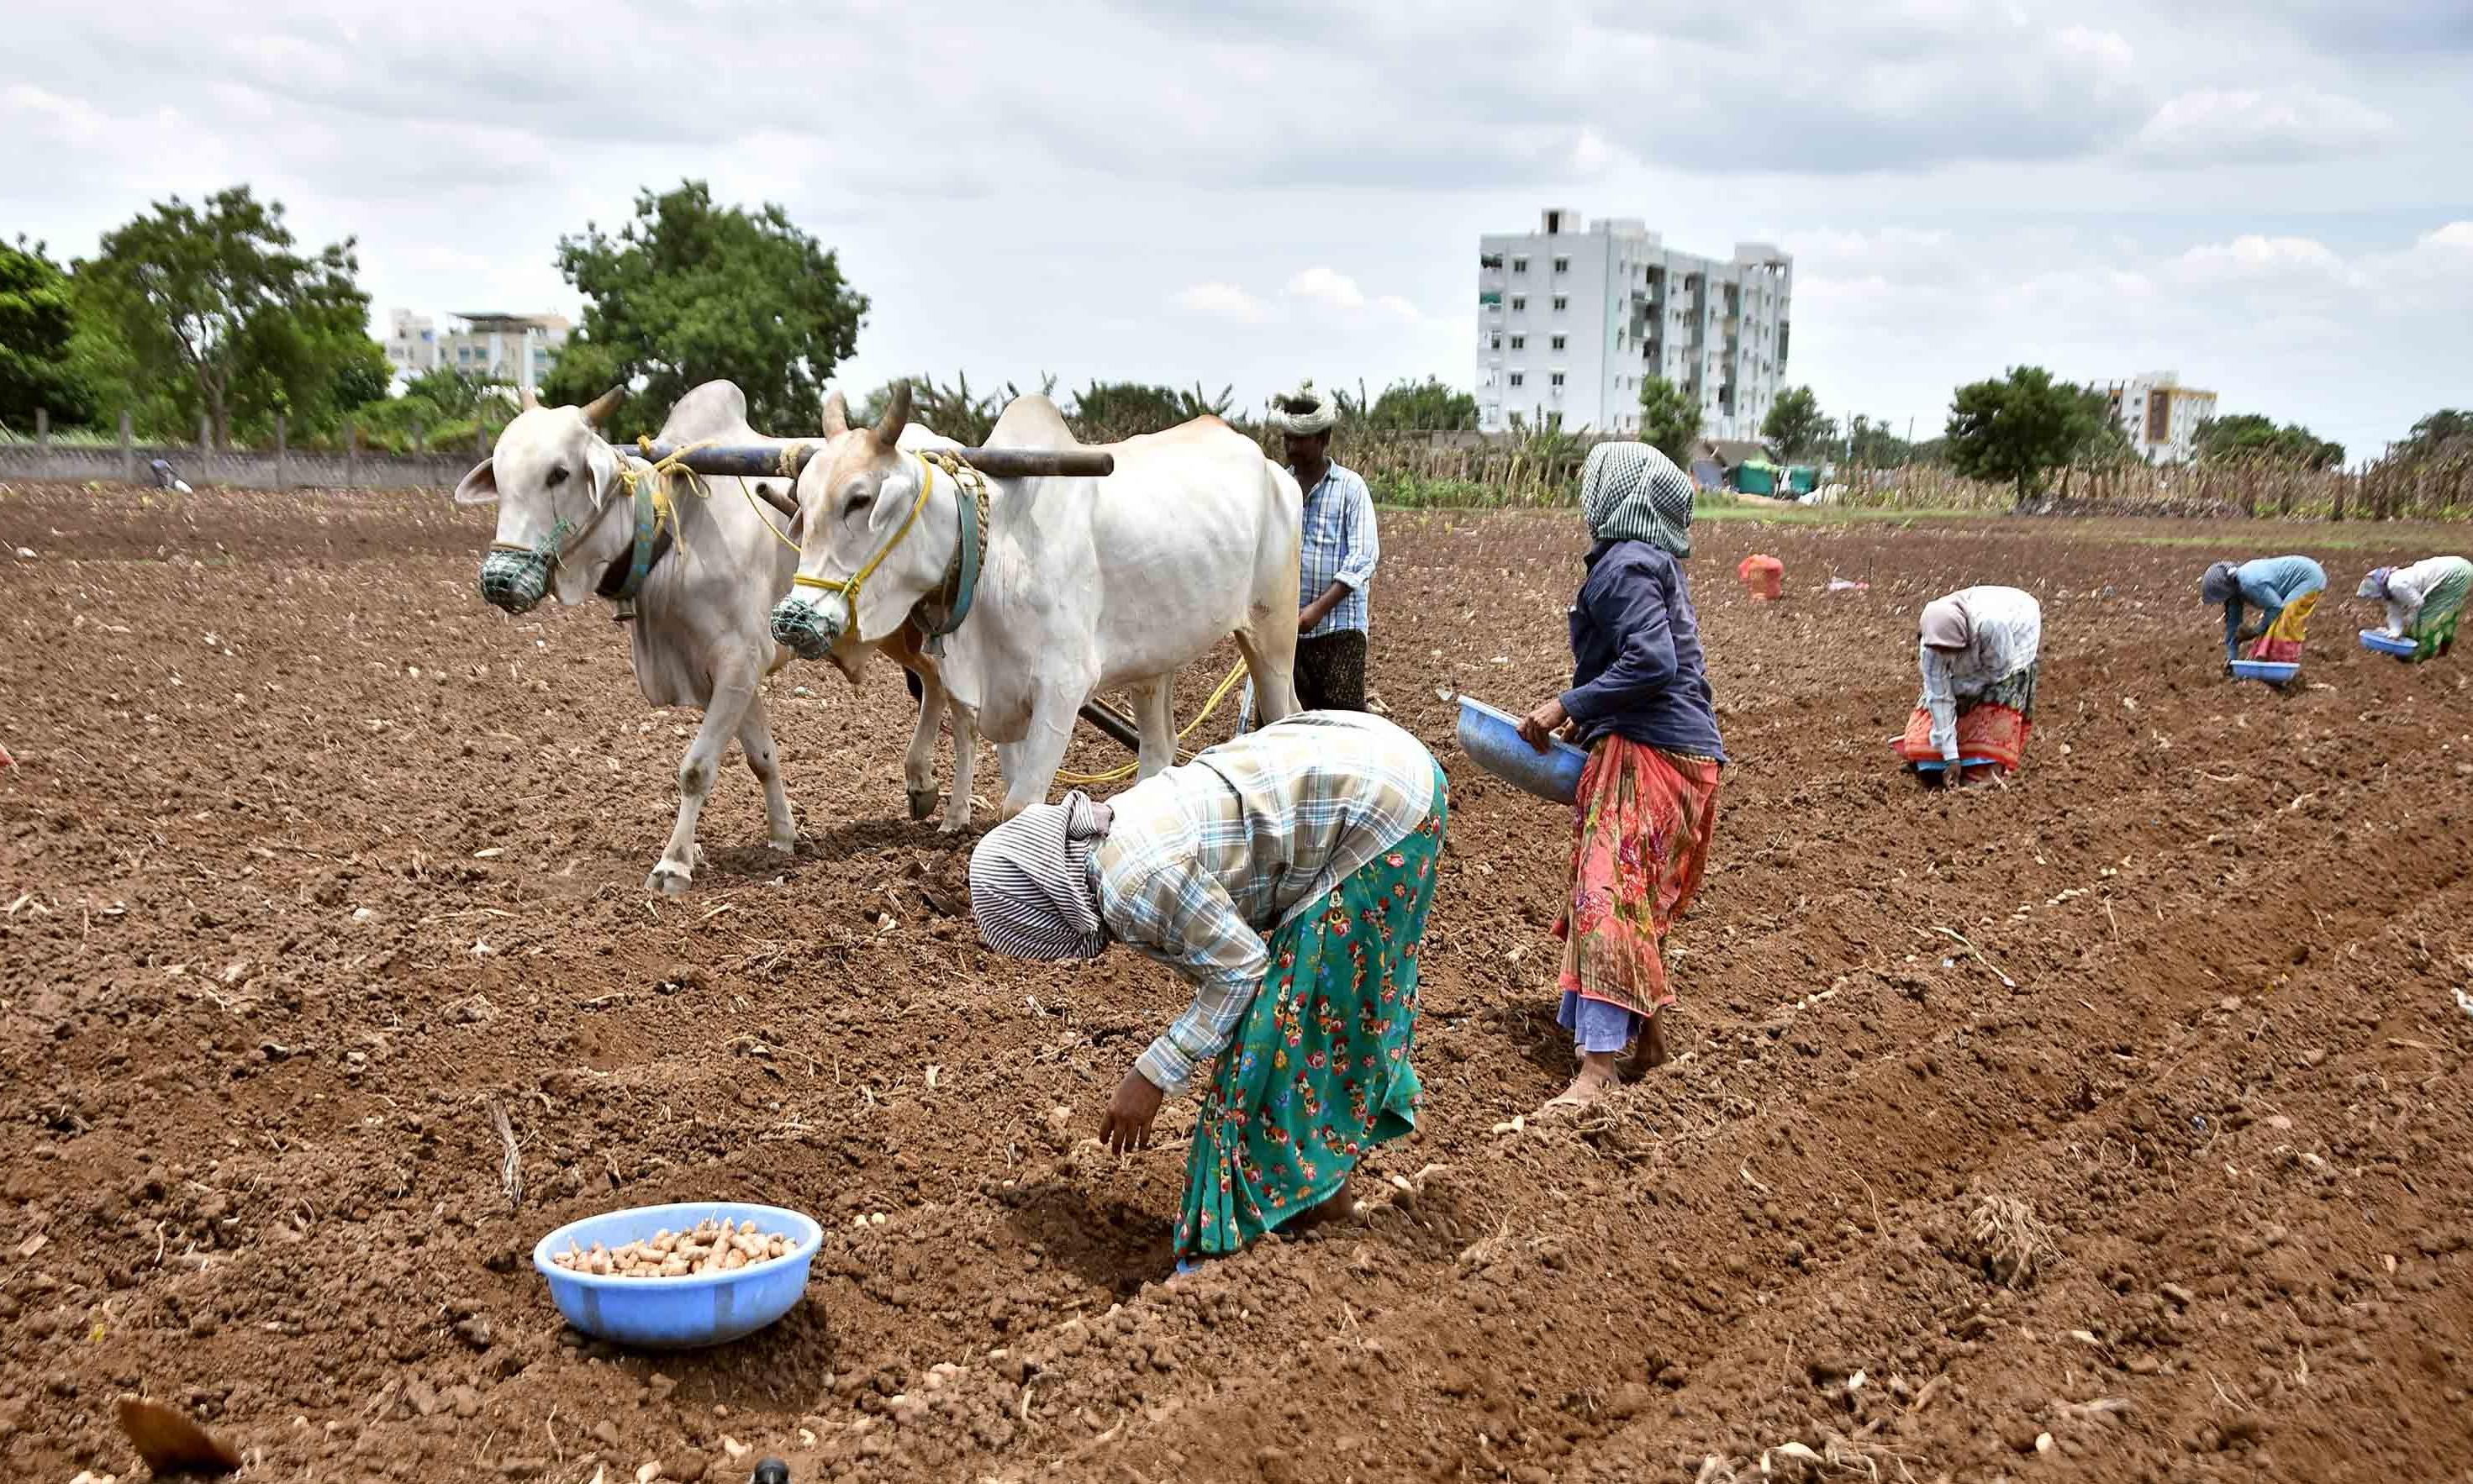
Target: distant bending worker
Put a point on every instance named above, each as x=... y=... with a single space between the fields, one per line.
x=2424 y=601
x=2284 y=590
x=1980 y=650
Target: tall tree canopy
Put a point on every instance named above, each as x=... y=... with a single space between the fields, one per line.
x=2445 y=431
x=1797 y=425
x=2014 y=429
x=37 y=323
x=689 y=291
x=1669 y=420
x=2250 y=435
x=1430 y=405
x=214 y=297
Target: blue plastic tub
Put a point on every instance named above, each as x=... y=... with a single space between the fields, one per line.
x=1493 y=738
x=678 y=1313
x=1935 y=765
x=2274 y=672
x=2379 y=642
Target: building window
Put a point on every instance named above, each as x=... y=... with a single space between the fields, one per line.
x=1519 y=342
x=1562 y=265
x=1559 y=341
x=1517 y=378
x=1495 y=343
x=1520 y=264
x=1561 y=303
x=1555 y=379
x=1518 y=304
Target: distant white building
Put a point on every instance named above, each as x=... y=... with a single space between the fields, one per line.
x=2160 y=415
x=515 y=350
x=1573 y=318
x=412 y=342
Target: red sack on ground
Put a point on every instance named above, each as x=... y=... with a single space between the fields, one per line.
x=1762 y=577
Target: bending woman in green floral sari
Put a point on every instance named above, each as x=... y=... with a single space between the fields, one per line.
x=1288 y=875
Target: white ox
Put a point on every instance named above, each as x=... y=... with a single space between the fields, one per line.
x=1086 y=584
x=700 y=629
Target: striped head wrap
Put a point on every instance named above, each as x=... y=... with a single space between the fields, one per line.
x=1030 y=881
x=2375 y=585
x=1632 y=491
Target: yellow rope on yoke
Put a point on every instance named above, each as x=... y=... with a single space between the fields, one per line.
x=1115 y=774
x=666 y=507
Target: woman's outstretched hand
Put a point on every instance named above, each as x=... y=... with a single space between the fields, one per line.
x=1538 y=725
x=1126 y=1125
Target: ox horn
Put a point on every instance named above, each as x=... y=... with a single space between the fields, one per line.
x=598 y=409
x=527 y=399
x=836 y=414
x=897 y=417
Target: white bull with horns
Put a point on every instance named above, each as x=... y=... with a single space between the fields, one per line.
x=699 y=570
x=1082 y=583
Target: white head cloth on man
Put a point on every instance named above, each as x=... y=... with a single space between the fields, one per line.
x=1305 y=412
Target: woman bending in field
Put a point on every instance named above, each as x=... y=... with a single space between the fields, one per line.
x=1980 y=650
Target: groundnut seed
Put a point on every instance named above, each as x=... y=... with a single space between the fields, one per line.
x=712 y=1246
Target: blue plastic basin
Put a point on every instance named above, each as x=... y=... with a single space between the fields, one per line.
x=678 y=1313
x=1936 y=765
x=1493 y=738
x=2384 y=643
x=2275 y=671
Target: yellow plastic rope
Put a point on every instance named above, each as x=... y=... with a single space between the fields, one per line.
x=1114 y=774
x=665 y=510
x=674 y=465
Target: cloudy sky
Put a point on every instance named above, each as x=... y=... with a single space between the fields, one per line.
x=2270 y=196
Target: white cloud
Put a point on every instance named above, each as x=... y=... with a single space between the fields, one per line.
x=1223 y=302
x=1400 y=308
x=2248 y=126
x=2454 y=234
x=2255 y=257
x=1328 y=287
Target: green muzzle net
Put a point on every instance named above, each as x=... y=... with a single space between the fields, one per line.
x=809 y=631
x=517 y=581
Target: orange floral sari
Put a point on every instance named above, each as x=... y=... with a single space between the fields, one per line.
x=1642 y=825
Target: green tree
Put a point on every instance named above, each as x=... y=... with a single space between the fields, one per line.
x=1430 y=405
x=689 y=291
x=1108 y=410
x=2445 y=431
x=2014 y=429
x=37 y=325
x=451 y=392
x=1669 y=420
x=215 y=297
x=1870 y=444
x=2252 y=436
x=1797 y=427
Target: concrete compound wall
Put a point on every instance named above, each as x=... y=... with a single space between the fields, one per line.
x=247 y=469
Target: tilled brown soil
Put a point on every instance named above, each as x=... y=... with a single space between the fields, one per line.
x=2112 y=1125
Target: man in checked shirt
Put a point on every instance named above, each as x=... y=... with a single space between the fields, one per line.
x=1335 y=560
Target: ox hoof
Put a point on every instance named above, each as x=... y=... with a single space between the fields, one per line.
x=668 y=880
x=922 y=802
x=787 y=846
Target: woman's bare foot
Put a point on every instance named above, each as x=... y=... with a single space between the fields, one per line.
x=1338 y=1206
x=1595 y=1075
x=1646 y=1051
